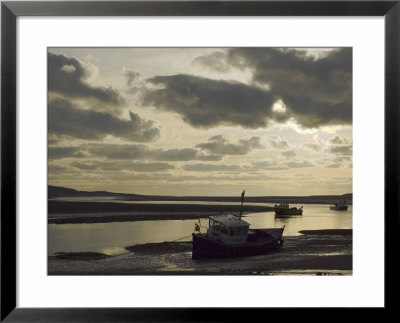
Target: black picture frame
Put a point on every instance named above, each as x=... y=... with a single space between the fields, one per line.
x=11 y=10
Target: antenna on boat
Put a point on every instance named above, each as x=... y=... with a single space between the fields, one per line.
x=241 y=206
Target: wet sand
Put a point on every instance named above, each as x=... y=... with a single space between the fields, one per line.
x=315 y=252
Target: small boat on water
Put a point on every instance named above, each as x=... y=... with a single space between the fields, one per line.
x=284 y=209
x=339 y=206
x=229 y=236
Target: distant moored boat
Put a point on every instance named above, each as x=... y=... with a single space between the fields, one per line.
x=284 y=209
x=339 y=206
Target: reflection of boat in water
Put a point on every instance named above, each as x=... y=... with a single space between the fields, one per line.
x=229 y=236
x=284 y=209
x=339 y=206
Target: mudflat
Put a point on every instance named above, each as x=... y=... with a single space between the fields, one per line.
x=315 y=252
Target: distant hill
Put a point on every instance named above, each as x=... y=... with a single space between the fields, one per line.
x=57 y=191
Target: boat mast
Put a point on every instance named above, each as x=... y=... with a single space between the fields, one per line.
x=241 y=206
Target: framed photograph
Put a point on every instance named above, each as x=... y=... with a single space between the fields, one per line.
x=185 y=155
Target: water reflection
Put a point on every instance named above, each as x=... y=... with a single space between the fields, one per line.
x=113 y=251
x=111 y=238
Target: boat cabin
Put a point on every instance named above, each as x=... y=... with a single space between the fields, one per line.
x=282 y=205
x=228 y=229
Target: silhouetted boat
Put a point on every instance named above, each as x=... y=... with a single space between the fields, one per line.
x=340 y=206
x=284 y=209
x=229 y=236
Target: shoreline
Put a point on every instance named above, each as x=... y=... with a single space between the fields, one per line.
x=315 y=252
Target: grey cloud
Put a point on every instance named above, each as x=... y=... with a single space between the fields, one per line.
x=151 y=167
x=122 y=165
x=132 y=152
x=174 y=154
x=212 y=168
x=67 y=75
x=343 y=179
x=205 y=157
x=279 y=144
x=268 y=165
x=338 y=140
x=131 y=75
x=341 y=150
x=289 y=153
x=215 y=61
x=305 y=175
x=219 y=145
x=312 y=146
x=66 y=120
x=333 y=165
x=171 y=178
x=343 y=161
x=299 y=164
x=206 y=103
x=342 y=158
x=85 y=165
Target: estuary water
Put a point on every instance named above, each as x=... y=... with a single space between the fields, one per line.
x=111 y=238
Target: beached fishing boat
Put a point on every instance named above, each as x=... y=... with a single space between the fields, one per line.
x=229 y=236
x=284 y=209
x=339 y=206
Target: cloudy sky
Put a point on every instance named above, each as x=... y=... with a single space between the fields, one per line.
x=201 y=121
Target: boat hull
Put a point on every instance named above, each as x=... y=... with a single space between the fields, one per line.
x=269 y=240
x=339 y=208
x=293 y=211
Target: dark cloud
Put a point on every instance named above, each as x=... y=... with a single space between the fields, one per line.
x=315 y=92
x=52 y=141
x=212 y=168
x=215 y=62
x=219 y=145
x=64 y=152
x=66 y=120
x=207 y=103
x=122 y=166
x=142 y=152
x=130 y=152
x=67 y=75
x=56 y=169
